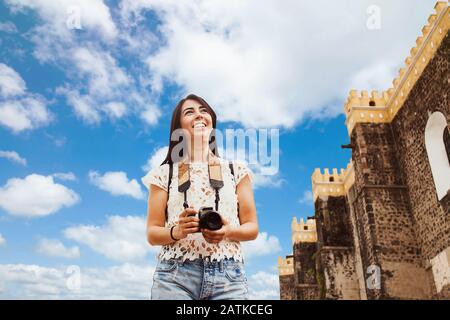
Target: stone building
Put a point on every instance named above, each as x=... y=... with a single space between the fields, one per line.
x=383 y=223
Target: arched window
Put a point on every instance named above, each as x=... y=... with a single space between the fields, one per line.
x=437 y=145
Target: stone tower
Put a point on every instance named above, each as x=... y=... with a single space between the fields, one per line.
x=297 y=271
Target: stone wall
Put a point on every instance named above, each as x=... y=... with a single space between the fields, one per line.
x=287 y=287
x=304 y=263
x=383 y=215
x=305 y=271
x=333 y=221
x=339 y=272
x=430 y=94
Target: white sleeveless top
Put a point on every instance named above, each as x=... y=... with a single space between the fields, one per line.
x=200 y=194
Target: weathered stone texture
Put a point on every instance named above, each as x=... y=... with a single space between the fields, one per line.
x=339 y=272
x=430 y=94
x=288 y=289
x=333 y=221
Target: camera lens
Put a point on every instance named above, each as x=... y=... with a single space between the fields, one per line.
x=209 y=219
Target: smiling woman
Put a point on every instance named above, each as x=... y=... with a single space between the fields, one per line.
x=198 y=261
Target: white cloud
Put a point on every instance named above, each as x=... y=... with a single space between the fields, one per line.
x=276 y=64
x=103 y=87
x=151 y=114
x=84 y=106
x=104 y=82
x=55 y=248
x=262 y=180
x=13 y=156
x=20 y=110
x=115 y=109
x=264 y=286
x=59 y=141
x=120 y=239
x=306 y=198
x=65 y=176
x=97 y=85
x=374 y=76
x=11 y=83
x=101 y=70
x=2 y=240
x=94 y=15
x=117 y=184
x=126 y=281
x=261 y=246
x=35 y=196
x=8 y=27
x=22 y=114
x=155 y=159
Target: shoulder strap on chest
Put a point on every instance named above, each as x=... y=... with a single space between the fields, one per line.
x=170 y=176
x=231 y=168
x=232 y=173
x=168 y=186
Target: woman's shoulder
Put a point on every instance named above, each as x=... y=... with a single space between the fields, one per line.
x=158 y=176
x=241 y=169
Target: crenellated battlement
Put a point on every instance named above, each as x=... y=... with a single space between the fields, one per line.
x=286 y=266
x=334 y=184
x=360 y=107
x=362 y=99
x=303 y=232
x=382 y=107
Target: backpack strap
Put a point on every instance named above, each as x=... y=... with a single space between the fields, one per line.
x=168 y=186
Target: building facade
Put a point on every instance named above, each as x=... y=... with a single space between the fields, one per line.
x=382 y=224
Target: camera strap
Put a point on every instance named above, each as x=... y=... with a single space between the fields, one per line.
x=184 y=181
x=215 y=180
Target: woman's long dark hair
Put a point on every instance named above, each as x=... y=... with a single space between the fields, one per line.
x=176 y=124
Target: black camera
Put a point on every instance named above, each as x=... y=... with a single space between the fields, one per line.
x=209 y=219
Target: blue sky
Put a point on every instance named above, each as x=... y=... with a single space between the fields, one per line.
x=87 y=89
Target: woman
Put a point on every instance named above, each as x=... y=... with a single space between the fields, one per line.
x=198 y=263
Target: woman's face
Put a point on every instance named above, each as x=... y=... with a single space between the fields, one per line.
x=196 y=119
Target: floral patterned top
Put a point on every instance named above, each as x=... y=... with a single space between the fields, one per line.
x=200 y=194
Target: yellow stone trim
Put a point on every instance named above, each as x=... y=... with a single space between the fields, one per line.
x=286 y=266
x=387 y=104
x=358 y=109
x=426 y=46
x=300 y=235
x=322 y=186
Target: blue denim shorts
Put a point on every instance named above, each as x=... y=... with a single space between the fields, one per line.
x=200 y=279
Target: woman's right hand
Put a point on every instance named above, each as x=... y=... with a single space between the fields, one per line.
x=186 y=224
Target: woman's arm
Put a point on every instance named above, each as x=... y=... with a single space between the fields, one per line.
x=157 y=233
x=248 y=230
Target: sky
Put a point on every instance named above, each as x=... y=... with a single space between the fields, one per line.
x=87 y=89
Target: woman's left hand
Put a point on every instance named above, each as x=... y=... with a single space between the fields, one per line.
x=217 y=235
